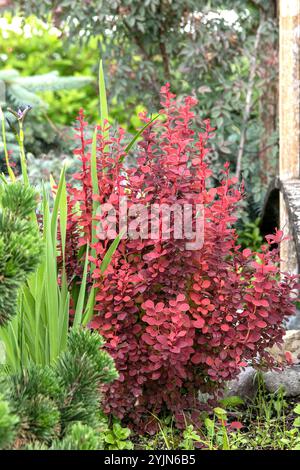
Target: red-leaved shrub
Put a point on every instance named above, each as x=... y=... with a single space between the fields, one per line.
x=176 y=321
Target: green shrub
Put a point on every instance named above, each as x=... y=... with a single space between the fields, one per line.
x=80 y=371
x=80 y=437
x=20 y=244
x=117 y=438
x=8 y=423
x=49 y=401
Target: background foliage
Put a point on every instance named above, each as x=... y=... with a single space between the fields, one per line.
x=22 y=48
x=223 y=52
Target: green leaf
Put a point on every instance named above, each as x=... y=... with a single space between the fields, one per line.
x=297 y=410
x=110 y=252
x=220 y=413
x=231 y=402
x=109 y=438
x=52 y=82
x=103 y=98
x=209 y=424
x=59 y=203
x=95 y=183
x=89 y=310
x=63 y=214
x=95 y=186
x=139 y=133
x=81 y=297
x=296 y=423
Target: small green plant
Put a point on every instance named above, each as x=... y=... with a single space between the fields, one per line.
x=268 y=423
x=167 y=438
x=268 y=407
x=190 y=438
x=249 y=235
x=217 y=433
x=117 y=438
x=297 y=420
x=265 y=424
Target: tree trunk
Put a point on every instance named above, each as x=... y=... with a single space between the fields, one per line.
x=269 y=104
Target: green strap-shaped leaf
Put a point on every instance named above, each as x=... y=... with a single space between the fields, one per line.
x=89 y=310
x=110 y=252
x=102 y=98
x=81 y=297
x=95 y=185
x=132 y=142
x=60 y=195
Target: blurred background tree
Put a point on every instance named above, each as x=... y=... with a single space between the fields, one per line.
x=224 y=52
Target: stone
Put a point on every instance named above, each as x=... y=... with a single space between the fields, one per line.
x=293 y=323
x=291 y=343
x=244 y=385
x=288 y=379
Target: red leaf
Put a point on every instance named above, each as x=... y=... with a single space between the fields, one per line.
x=180 y=297
x=206 y=284
x=289 y=357
x=261 y=324
x=236 y=425
x=183 y=307
x=247 y=252
x=199 y=323
x=196 y=358
x=225 y=327
x=209 y=361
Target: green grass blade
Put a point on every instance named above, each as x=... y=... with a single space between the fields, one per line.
x=51 y=291
x=64 y=321
x=89 y=310
x=102 y=97
x=3 y=178
x=61 y=191
x=63 y=216
x=139 y=133
x=94 y=173
x=81 y=297
x=110 y=252
x=95 y=186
